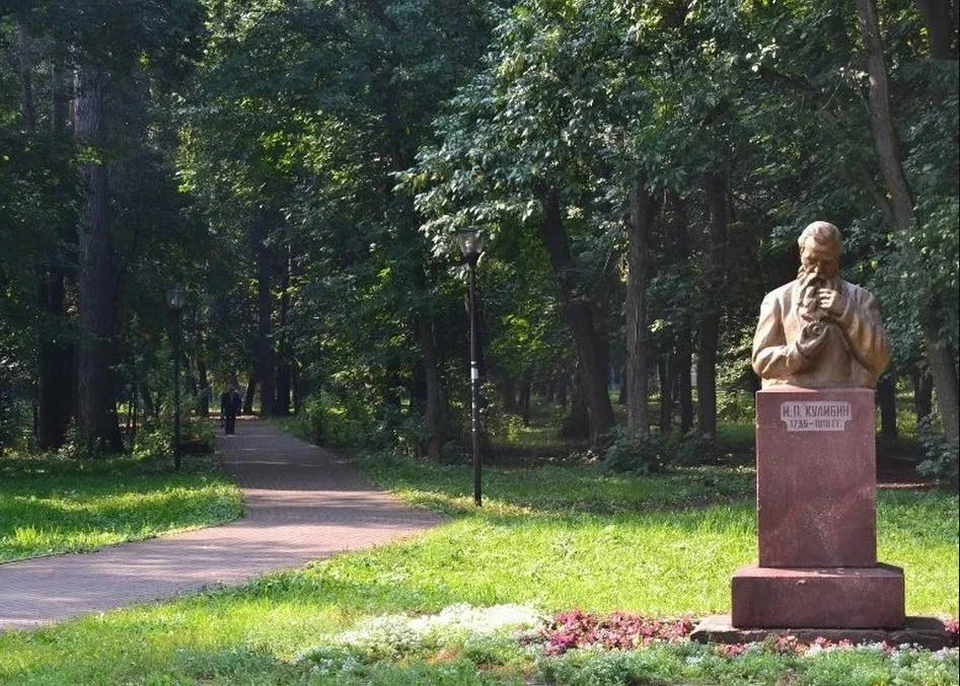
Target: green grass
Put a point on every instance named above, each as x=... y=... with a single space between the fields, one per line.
x=560 y=537
x=50 y=504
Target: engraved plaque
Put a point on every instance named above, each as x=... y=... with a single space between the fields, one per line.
x=815 y=415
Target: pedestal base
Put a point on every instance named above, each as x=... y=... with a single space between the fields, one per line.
x=928 y=632
x=819 y=598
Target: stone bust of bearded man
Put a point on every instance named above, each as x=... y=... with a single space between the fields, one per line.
x=820 y=331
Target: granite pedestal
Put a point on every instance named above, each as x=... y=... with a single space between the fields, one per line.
x=816 y=517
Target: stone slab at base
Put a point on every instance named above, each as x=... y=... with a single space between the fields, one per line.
x=820 y=598
x=927 y=632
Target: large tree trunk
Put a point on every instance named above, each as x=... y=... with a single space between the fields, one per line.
x=98 y=426
x=55 y=390
x=580 y=318
x=887 y=401
x=643 y=209
x=433 y=409
x=284 y=377
x=716 y=189
x=576 y=422
x=264 y=348
x=940 y=19
x=55 y=350
x=666 y=377
x=940 y=357
x=683 y=360
x=922 y=392
x=28 y=112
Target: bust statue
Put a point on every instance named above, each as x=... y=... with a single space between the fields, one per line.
x=820 y=331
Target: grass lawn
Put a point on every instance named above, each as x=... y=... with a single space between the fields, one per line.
x=553 y=537
x=50 y=504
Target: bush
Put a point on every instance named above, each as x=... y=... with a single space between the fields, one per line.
x=350 y=421
x=654 y=453
x=940 y=454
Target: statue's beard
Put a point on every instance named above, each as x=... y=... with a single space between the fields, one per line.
x=808 y=307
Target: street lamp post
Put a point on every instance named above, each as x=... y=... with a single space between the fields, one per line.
x=176 y=299
x=471 y=245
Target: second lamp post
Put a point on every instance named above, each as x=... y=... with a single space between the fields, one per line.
x=471 y=245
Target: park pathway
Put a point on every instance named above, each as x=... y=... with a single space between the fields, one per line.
x=302 y=503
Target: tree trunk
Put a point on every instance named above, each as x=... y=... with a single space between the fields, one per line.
x=55 y=391
x=265 y=272
x=249 y=394
x=525 y=391
x=55 y=350
x=508 y=391
x=433 y=408
x=666 y=376
x=887 y=401
x=939 y=357
x=683 y=360
x=716 y=189
x=98 y=426
x=643 y=209
x=282 y=405
x=940 y=19
x=580 y=318
x=28 y=112
x=576 y=422
x=922 y=392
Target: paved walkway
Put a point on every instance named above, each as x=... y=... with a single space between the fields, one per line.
x=302 y=504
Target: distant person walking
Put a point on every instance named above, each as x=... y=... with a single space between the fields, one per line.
x=230 y=403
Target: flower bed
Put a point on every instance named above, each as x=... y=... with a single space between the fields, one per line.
x=575 y=646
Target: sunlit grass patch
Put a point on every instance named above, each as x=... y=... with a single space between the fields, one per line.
x=554 y=538
x=49 y=504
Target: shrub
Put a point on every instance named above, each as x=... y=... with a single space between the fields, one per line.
x=654 y=453
x=940 y=454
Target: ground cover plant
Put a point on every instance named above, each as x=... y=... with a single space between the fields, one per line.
x=550 y=539
x=56 y=504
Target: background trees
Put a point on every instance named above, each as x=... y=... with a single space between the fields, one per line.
x=301 y=165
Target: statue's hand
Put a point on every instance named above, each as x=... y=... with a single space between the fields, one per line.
x=831 y=301
x=812 y=337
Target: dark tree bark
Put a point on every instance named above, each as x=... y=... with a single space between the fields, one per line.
x=97 y=425
x=922 y=392
x=205 y=393
x=576 y=422
x=580 y=318
x=433 y=409
x=265 y=266
x=508 y=391
x=284 y=380
x=642 y=211
x=682 y=362
x=939 y=357
x=249 y=395
x=940 y=19
x=55 y=373
x=526 y=388
x=887 y=401
x=716 y=190
x=684 y=383
x=666 y=377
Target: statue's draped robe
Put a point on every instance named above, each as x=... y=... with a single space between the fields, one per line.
x=855 y=353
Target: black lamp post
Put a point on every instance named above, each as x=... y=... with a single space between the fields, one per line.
x=176 y=299
x=471 y=245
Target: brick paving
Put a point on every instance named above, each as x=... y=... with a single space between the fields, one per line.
x=302 y=503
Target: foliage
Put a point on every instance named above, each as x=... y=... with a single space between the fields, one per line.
x=940 y=454
x=655 y=453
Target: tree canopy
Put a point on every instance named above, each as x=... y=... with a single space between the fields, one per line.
x=300 y=167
